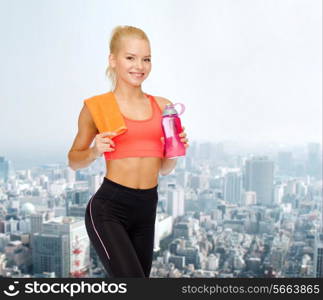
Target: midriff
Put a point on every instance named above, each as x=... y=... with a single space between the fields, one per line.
x=134 y=172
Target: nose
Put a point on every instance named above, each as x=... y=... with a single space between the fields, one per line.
x=139 y=65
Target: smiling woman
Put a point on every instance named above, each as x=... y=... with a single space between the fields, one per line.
x=120 y=217
x=119 y=54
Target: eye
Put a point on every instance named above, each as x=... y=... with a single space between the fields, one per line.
x=147 y=59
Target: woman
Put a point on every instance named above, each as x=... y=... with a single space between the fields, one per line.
x=120 y=217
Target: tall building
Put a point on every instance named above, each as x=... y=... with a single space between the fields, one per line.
x=314 y=160
x=233 y=187
x=249 y=198
x=175 y=200
x=4 y=169
x=318 y=255
x=278 y=193
x=219 y=151
x=76 y=201
x=69 y=175
x=36 y=221
x=163 y=228
x=61 y=247
x=95 y=182
x=285 y=162
x=259 y=177
x=205 y=150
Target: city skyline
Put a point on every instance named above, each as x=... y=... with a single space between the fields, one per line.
x=219 y=215
x=58 y=156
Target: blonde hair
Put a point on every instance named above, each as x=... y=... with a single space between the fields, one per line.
x=118 y=33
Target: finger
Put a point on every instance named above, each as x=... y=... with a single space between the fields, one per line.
x=107 y=133
x=110 y=147
x=183 y=132
x=108 y=141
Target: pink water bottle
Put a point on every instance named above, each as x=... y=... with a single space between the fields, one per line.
x=171 y=124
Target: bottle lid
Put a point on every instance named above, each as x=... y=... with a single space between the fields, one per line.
x=169 y=110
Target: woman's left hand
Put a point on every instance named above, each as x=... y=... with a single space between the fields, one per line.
x=183 y=139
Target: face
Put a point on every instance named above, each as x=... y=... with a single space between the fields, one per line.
x=133 y=62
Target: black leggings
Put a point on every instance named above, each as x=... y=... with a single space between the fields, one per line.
x=120 y=222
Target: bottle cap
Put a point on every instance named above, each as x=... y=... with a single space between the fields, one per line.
x=169 y=110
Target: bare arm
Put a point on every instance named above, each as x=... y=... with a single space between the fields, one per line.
x=167 y=166
x=80 y=155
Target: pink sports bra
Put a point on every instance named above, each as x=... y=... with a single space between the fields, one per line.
x=142 y=139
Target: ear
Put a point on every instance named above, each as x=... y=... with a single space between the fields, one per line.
x=111 y=60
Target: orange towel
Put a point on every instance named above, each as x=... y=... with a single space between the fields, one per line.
x=106 y=114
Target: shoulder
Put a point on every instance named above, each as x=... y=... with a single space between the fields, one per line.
x=162 y=101
x=97 y=98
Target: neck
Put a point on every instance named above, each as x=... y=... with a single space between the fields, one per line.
x=129 y=93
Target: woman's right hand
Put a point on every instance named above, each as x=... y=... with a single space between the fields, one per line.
x=102 y=143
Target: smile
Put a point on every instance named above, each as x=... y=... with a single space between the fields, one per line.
x=137 y=74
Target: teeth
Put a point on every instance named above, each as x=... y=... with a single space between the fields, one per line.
x=137 y=74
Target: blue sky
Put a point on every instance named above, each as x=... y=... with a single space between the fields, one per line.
x=248 y=70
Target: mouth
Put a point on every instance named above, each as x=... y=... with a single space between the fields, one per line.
x=136 y=74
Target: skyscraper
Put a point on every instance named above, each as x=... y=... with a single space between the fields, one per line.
x=4 y=169
x=285 y=162
x=175 y=200
x=62 y=247
x=314 y=160
x=259 y=178
x=318 y=255
x=233 y=187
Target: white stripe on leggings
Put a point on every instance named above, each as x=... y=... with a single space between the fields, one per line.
x=95 y=228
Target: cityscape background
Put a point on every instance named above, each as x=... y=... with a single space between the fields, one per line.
x=219 y=214
x=246 y=200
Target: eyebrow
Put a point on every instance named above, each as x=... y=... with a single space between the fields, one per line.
x=135 y=54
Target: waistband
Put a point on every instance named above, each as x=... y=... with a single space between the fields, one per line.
x=127 y=188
